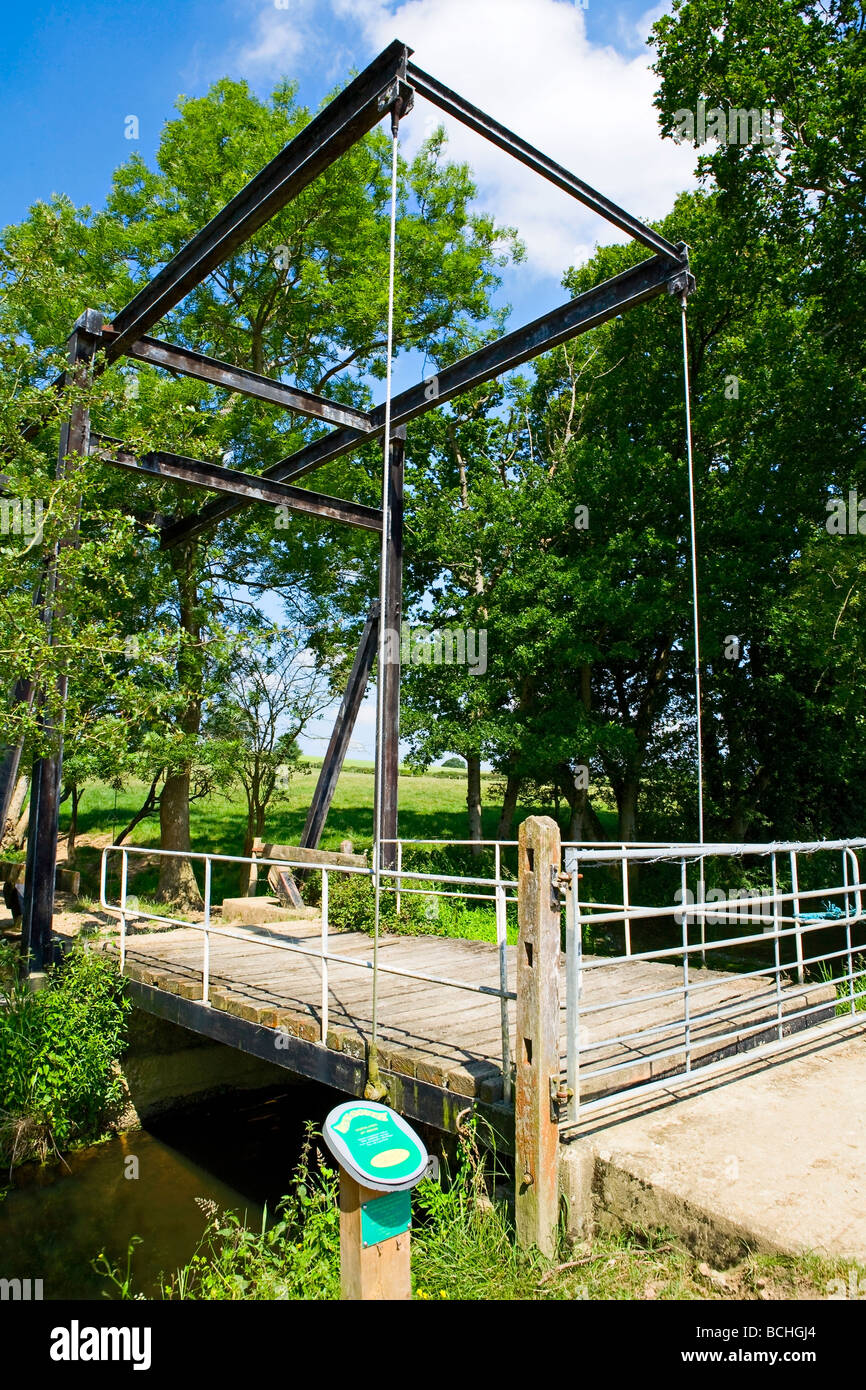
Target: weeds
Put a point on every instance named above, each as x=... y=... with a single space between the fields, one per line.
x=58 y=1052
x=464 y=1248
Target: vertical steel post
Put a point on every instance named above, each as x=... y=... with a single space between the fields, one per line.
x=124 y=879
x=205 y=974
x=795 y=905
x=778 y=947
x=502 y=947
x=324 y=957
x=625 y=902
x=48 y=768
x=390 y=676
x=687 y=1015
x=573 y=964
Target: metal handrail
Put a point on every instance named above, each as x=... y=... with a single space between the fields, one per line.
x=324 y=954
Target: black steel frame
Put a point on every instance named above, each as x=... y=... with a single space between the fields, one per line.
x=387 y=87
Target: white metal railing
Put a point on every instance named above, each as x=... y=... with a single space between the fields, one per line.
x=820 y=985
x=792 y=978
x=497 y=890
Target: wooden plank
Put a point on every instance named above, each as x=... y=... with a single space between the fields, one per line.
x=413 y=1098
x=315 y=858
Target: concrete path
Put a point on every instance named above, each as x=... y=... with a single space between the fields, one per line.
x=773 y=1157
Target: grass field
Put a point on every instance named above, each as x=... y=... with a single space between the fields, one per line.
x=432 y=806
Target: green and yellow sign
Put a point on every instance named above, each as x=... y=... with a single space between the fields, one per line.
x=375 y=1145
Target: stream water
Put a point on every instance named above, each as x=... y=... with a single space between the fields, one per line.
x=239 y=1151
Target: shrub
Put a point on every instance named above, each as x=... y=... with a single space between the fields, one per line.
x=59 y=1080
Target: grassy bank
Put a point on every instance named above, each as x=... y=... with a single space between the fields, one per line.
x=463 y=1247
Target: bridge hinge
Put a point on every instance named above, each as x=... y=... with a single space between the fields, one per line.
x=560 y=1095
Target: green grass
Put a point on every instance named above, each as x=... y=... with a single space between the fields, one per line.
x=463 y=1248
x=828 y=972
x=432 y=806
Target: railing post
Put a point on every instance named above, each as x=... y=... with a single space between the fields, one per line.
x=124 y=874
x=325 y=985
x=502 y=948
x=205 y=972
x=536 y=1102
x=795 y=904
x=573 y=962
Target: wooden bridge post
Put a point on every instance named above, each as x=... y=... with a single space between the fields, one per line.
x=536 y=1116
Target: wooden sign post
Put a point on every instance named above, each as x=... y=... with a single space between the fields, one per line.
x=381 y=1159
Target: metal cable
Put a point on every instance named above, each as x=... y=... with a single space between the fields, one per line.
x=374 y=1088
x=694 y=550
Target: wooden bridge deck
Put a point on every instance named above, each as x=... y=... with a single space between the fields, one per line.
x=439 y=1047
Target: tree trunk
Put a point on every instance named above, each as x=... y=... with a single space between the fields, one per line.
x=473 y=798
x=509 y=806
x=73 y=825
x=8 y=835
x=255 y=830
x=626 y=801
x=177 y=882
x=19 y=834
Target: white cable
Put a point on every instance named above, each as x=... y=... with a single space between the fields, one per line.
x=383 y=589
x=694 y=549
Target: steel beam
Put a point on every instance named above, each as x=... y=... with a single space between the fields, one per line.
x=605 y=301
x=342 y=731
x=345 y=120
x=195 y=364
x=47 y=772
x=246 y=486
x=389 y=753
x=497 y=134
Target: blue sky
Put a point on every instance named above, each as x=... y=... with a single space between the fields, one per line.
x=572 y=79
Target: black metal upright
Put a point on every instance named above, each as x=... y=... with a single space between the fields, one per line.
x=48 y=769
x=342 y=731
x=385 y=89
x=390 y=674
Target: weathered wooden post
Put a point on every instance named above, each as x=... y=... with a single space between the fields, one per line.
x=381 y=1159
x=536 y=1112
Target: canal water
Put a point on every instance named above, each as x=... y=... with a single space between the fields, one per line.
x=238 y=1151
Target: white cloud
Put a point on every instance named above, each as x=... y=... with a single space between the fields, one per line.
x=279 y=37
x=530 y=64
